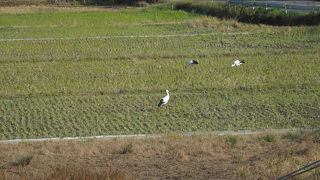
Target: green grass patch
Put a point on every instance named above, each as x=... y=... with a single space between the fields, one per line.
x=269 y=138
x=127 y=149
x=316 y=136
x=294 y=136
x=23 y=160
x=153 y=14
x=112 y=30
x=232 y=140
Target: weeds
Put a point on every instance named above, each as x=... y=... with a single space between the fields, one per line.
x=23 y=160
x=294 y=136
x=300 y=136
x=302 y=151
x=269 y=138
x=243 y=173
x=316 y=136
x=316 y=174
x=84 y=173
x=127 y=149
x=3 y=174
x=237 y=156
x=232 y=140
x=206 y=156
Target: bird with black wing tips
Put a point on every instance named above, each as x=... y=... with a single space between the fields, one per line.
x=237 y=63
x=165 y=99
x=191 y=63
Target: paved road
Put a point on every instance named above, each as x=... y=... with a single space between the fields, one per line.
x=300 y=3
x=296 y=5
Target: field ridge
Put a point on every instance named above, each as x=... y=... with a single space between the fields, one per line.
x=229 y=132
x=129 y=36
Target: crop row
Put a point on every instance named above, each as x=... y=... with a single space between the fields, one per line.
x=200 y=25
x=135 y=75
x=130 y=114
x=155 y=47
x=99 y=30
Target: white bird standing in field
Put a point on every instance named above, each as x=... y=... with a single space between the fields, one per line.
x=191 y=63
x=237 y=63
x=165 y=99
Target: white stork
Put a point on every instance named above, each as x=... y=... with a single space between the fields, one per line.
x=165 y=99
x=192 y=62
x=237 y=63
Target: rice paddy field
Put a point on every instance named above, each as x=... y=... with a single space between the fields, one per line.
x=86 y=73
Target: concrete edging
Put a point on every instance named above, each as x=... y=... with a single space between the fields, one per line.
x=231 y=132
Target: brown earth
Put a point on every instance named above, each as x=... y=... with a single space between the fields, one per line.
x=265 y=156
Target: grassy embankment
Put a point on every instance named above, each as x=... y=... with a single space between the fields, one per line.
x=266 y=156
x=111 y=85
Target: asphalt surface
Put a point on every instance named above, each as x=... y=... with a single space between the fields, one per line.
x=294 y=5
x=299 y=3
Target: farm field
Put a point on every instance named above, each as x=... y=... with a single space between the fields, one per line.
x=104 y=72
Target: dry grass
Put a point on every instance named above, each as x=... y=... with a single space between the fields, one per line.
x=173 y=156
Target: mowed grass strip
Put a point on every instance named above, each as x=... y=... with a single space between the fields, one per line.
x=201 y=25
x=100 y=30
x=145 y=15
x=179 y=26
x=64 y=116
